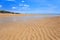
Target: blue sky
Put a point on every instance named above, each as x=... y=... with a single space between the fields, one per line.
x=31 y=6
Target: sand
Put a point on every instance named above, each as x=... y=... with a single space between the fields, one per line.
x=7 y=15
x=33 y=29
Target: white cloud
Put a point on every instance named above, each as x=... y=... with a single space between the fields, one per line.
x=25 y=8
x=13 y=7
x=22 y=1
x=0 y=6
x=10 y=0
x=26 y=5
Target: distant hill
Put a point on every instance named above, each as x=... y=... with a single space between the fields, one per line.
x=3 y=11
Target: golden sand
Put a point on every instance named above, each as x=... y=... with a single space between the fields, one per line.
x=37 y=29
x=7 y=15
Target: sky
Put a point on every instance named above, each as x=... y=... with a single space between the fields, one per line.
x=31 y=6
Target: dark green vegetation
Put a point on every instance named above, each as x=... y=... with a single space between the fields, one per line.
x=3 y=11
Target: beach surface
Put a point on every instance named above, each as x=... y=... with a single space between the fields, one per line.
x=29 y=27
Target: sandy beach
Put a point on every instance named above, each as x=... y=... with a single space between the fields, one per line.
x=29 y=27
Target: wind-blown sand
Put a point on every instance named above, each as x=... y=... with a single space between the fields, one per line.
x=30 y=28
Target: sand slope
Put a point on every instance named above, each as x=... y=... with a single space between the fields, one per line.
x=37 y=29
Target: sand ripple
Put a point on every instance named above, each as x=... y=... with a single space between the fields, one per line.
x=46 y=29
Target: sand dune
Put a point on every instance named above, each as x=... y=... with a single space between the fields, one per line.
x=34 y=29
